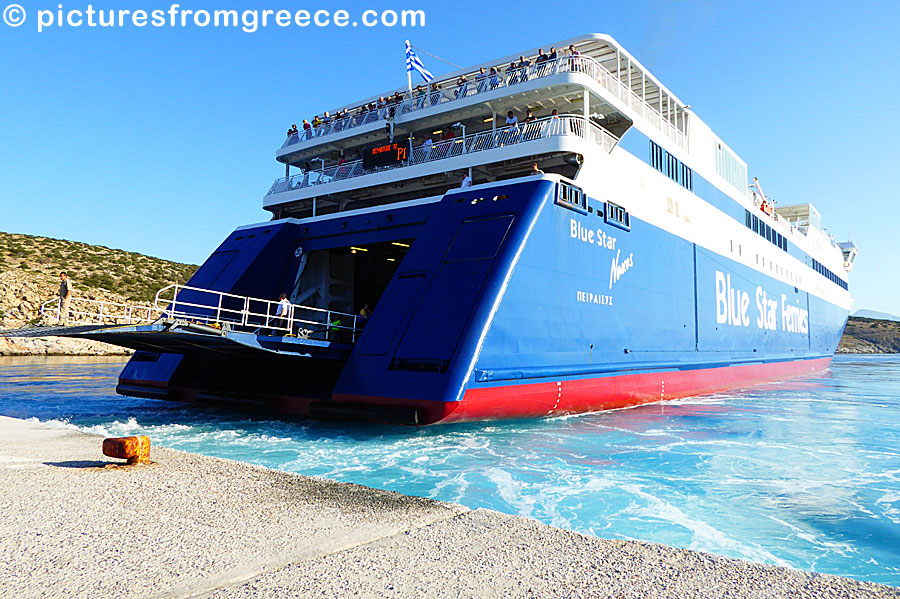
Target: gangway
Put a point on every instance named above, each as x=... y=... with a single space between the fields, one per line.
x=83 y=311
x=256 y=315
x=188 y=320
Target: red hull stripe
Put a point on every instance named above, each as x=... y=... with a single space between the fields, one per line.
x=530 y=400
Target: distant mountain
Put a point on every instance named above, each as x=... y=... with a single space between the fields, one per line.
x=29 y=275
x=870 y=336
x=877 y=315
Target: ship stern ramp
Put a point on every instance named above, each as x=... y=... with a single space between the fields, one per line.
x=418 y=352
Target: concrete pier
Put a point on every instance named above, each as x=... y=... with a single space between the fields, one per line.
x=193 y=526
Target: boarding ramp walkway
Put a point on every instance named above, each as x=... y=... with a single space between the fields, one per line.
x=184 y=319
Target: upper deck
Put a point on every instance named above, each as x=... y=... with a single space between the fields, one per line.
x=594 y=93
x=598 y=58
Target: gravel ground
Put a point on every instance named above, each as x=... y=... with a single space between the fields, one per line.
x=192 y=526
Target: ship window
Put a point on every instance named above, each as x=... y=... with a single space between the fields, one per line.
x=618 y=216
x=730 y=168
x=671 y=166
x=571 y=197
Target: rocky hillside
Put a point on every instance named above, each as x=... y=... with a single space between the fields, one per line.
x=870 y=336
x=29 y=276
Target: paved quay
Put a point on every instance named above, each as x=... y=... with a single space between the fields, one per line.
x=193 y=526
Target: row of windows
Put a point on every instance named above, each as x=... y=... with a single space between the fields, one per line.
x=730 y=168
x=757 y=225
x=671 y=167
x=828 y=274
x=573 y=198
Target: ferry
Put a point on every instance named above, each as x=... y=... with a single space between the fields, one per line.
x=605 y=249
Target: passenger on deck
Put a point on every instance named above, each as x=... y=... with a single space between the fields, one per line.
x=426 y=148
x=529 y=116
x=292 y=130
x=553 y=67
x=366 y=311
x=541 y=57
x=326 y=118
x=512 y=74
x=555 y=124
x=494 y=77
x=523 y=65
x=466 y=181
x=535 y=170
x=435 y=96
x=282 y=314
x=512 y=122
x=307 y=129
x=481 y=80
x=419 y=95
x=574 y=62
x=462 y=86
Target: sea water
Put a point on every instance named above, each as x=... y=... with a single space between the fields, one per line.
x=803 y=473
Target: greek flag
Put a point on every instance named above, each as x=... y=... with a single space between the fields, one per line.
x=414 y=64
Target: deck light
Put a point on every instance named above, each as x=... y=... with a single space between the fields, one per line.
x=438 y=132
x=355 y=249
x=397 y=243
x=488 y=120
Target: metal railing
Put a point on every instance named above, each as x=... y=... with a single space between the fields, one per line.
x=476 y=84
x=563 y=125
x=84 y=311
x=256 y=315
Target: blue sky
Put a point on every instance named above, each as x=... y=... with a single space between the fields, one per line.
x=162 y=140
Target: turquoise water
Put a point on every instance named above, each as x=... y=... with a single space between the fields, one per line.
x=804 y=473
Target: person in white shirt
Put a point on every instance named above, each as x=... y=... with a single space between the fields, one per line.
x=426 y=147
x=512 y=121
x=466 y=182
x=282 y=313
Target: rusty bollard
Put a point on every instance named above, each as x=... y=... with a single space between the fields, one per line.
x=134 y=449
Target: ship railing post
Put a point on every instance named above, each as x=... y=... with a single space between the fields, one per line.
x=354 y=327
x=290 y=319
x=327 y=325
x=219 y=309
x=246 y=311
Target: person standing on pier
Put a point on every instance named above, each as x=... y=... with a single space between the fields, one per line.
x=65 y=296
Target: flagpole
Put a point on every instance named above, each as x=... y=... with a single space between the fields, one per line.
x=408 y=73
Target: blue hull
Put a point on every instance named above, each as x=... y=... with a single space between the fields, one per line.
x=506 y=293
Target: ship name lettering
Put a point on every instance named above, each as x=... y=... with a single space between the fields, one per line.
x=767 y=309
x=580 y=232
x=619 y=268
x=587 y=297
x=794 y=319
x=731 y=303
